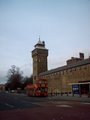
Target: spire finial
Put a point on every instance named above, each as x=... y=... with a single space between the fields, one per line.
x=39 y=37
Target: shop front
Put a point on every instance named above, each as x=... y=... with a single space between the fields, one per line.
x=81 y=88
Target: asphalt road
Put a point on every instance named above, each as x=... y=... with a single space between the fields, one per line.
x=9 y=101
x=20 y=107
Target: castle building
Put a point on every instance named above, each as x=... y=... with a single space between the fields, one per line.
x=39 y=55
x=61 y=79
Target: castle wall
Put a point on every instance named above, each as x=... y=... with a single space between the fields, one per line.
x=60 y=81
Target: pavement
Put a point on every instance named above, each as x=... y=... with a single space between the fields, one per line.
x=65 y=97
x=78 y=98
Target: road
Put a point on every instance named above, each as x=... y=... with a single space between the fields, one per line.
x=20 y=107
x=9 y=101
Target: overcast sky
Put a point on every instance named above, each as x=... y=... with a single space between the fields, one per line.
x=64 y=25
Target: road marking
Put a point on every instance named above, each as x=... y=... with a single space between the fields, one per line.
x=9 y=105
x=26 y=102
x=63 y=106
x=86 y=103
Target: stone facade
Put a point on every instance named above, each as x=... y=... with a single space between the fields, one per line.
x=60 y=79
x=39 y=55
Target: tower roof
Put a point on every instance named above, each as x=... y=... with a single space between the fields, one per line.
x=40 y=44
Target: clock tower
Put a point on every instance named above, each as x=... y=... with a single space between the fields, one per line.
x=39 y=55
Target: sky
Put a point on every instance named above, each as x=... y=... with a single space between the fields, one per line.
x=64 y=25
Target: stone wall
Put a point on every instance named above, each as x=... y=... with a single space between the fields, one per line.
x=60 y=81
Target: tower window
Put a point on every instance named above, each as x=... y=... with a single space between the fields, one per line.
x=39 y=60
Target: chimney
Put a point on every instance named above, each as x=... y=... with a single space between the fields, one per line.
x=81 y=55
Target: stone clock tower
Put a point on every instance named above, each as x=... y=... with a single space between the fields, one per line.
x=39 y=55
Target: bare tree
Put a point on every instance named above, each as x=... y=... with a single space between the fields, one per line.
x=14 y=77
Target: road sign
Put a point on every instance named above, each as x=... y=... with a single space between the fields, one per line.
x=75 y=89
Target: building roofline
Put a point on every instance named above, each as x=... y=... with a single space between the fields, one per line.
x=79 y=63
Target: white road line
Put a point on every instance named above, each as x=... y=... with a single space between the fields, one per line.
x=11 y=106
x=86 y=103
x=63 y=105
x=34 y=103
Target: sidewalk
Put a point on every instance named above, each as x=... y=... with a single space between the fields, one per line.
x=77 y=98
